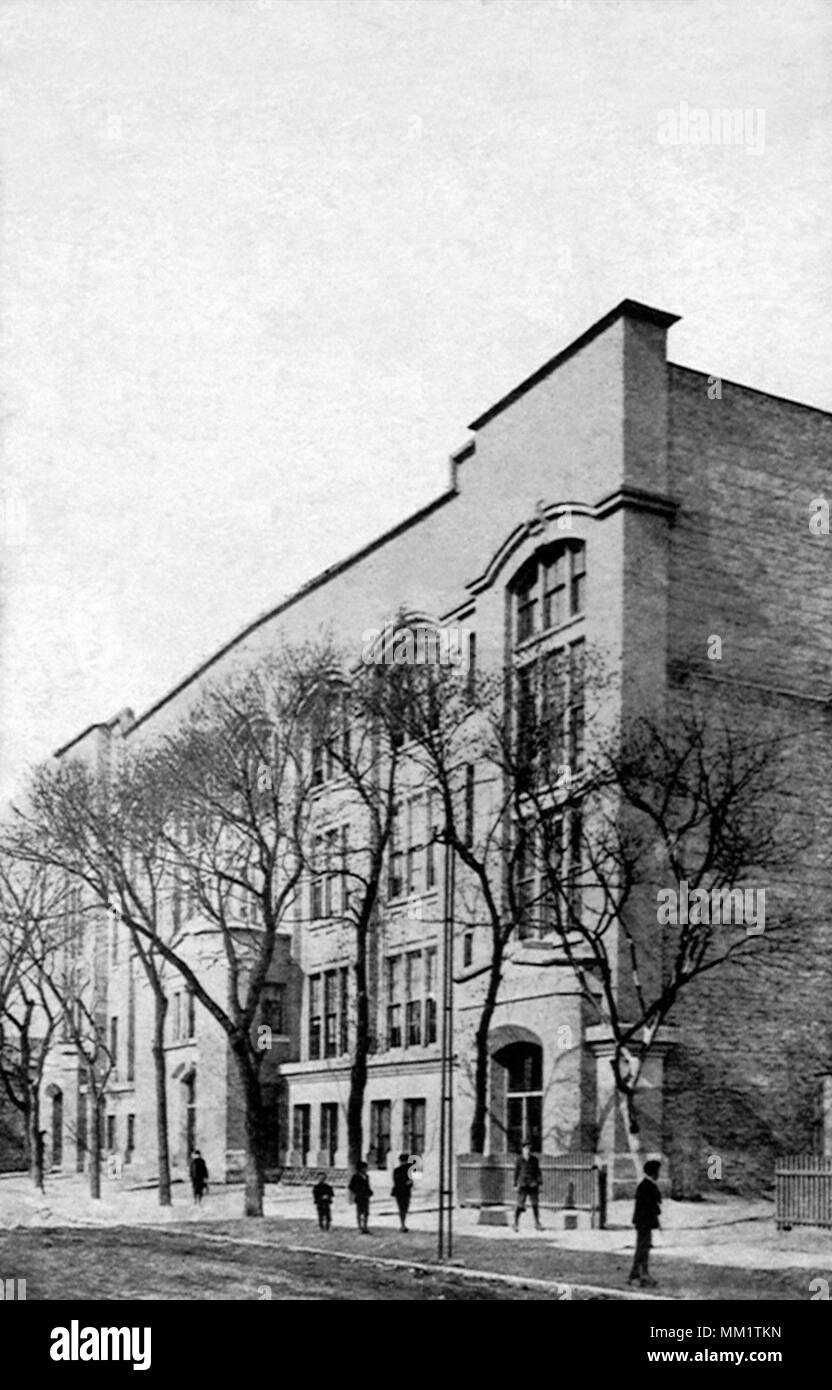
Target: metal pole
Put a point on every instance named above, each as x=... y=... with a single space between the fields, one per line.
x=446 y=1097
x=441 y=1232
x=449 y=975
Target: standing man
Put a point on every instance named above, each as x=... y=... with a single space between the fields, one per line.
x=199 y=1176
x=527 y=1182
x=646 y=1221
x=402 y=1188
x=361 y=1192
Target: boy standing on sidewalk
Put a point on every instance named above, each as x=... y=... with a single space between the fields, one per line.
x=322 y=1196
x=527 y=1181
x=646 y=1221
x=361 y=1192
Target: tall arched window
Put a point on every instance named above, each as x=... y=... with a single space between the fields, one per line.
x=522 y=1067
x=548 y=597
x=548 y=606
x=550 y=590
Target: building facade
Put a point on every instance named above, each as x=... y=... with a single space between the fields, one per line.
x=617 y=502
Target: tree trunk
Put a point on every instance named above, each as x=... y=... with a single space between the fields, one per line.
x=162 y=1140
x=255 y=1129
x=480 y=1115
x=95 y=1145
x=358 y=1069
x=35 y=1140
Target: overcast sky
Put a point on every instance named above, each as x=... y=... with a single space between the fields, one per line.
x=263 y=260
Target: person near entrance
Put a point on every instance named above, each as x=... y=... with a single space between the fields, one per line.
x=646 y=1221
x=527 y=1180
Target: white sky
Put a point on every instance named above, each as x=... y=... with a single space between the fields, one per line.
x=263 y=261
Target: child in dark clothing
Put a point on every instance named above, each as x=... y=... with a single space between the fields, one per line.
x=322 y=1196
x=361 y=1192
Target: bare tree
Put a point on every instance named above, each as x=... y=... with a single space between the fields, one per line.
x=70 y=978
x=635 y=856
x=235 y=772
x=357 y=728
x=31 y=898
x=111 y=836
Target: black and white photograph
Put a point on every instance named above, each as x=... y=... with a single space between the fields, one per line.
x=416 y=666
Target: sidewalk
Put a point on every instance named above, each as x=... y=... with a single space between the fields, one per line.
x=727 y=1231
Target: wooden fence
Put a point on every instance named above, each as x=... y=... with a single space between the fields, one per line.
x=803 y=1191
x=569 y=1182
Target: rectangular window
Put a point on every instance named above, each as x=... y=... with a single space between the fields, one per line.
x=318 y=748
x=314 y=1017
x=331 y=1013
x=526 y=883
x=575 y=864
x=131 y=1019
x=316 y=894
x=176 y=1021
x=330 y=871
x=190 y=1014
x=469 y=804
x=527 y=601
x=430 y=996
x=430 y=845
x=467 y=949
x=413 y=1022
x=413 y=1127
x=526 y=718
x=329 y=1132
x=554 y=591
x=576 y=705
x=415 y=838
x=301 y=1127
x=345 y=866
x=413 y=996
x=111 y=1133
x=577 y=557
x=380 y=1131
x=114 y=1046
x=394 y=1008
x=131 y=1138
x=272 y=1003
x=344 y=1011
x=471 y=678
x=395 y=886
x=553 y=711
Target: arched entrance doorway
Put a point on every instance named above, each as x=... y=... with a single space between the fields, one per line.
x=516 y=1091
x=56 y=1125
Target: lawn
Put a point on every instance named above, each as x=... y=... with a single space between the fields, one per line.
x=237 y=1259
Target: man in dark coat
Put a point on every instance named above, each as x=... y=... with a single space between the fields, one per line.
x=527 y=1181
x=322 y=1196
x=402 y=1188
x=361 y=1192
x=199 y=1176
x=646 y=1221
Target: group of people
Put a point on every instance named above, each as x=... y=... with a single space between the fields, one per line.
x=361 y=1194
x=527 y=1184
